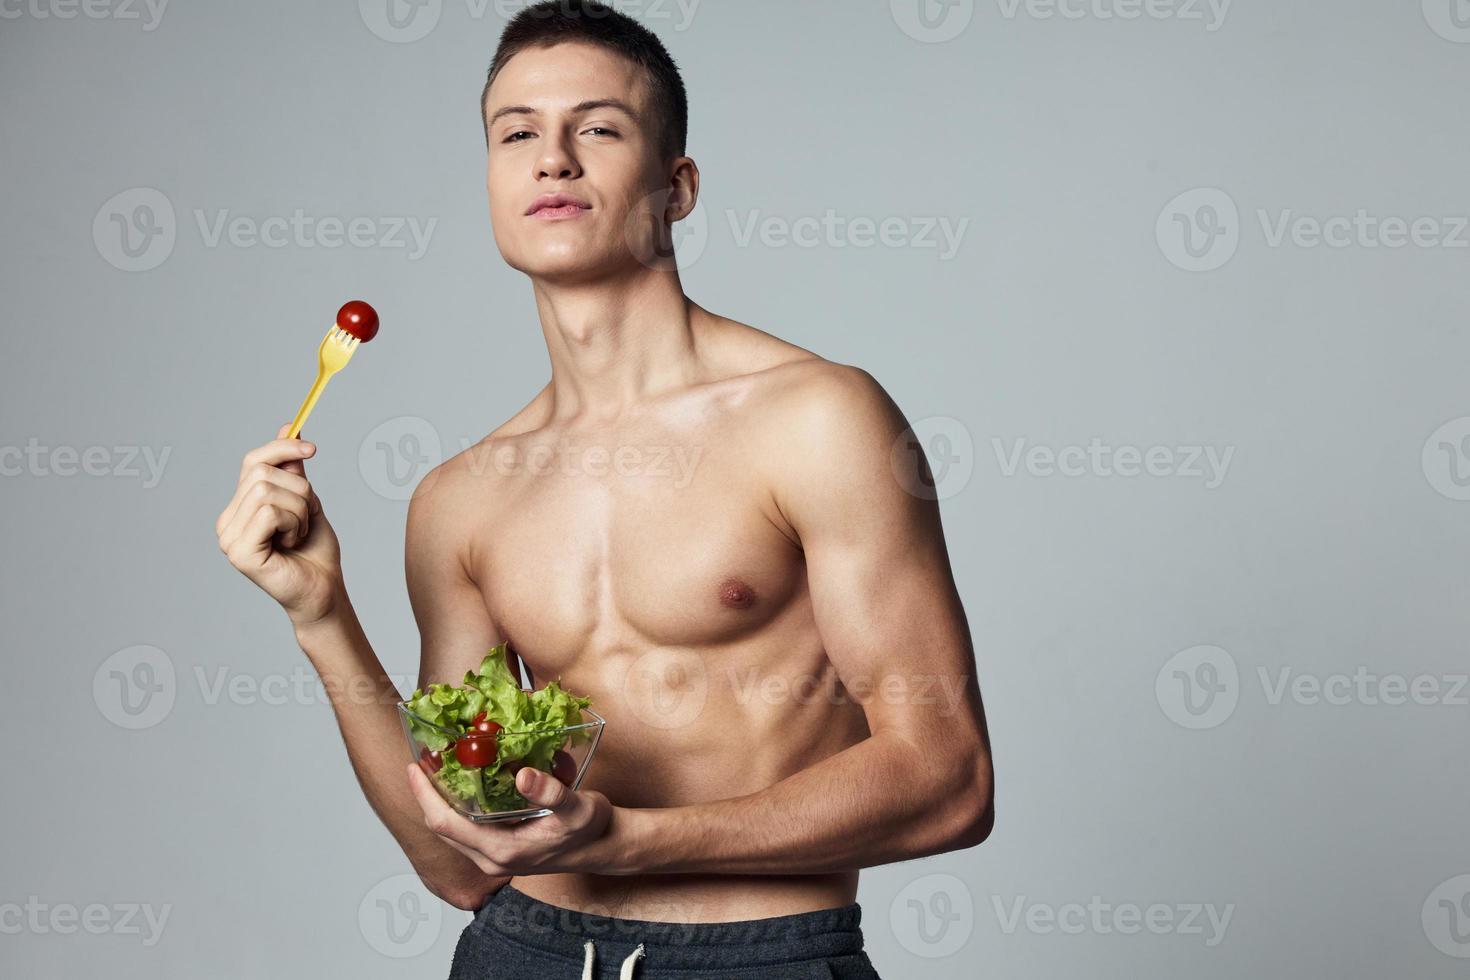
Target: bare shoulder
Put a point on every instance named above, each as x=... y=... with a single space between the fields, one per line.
x=838 y=405
x=461 y=493
x=791 y=380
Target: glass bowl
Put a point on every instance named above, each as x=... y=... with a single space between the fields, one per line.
x=495 y=798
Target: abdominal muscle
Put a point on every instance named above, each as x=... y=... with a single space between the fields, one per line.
x=738 y=744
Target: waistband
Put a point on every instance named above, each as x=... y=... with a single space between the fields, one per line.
x=676 y=945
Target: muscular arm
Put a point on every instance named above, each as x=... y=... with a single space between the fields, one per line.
x=455 y=632
x=892 y=624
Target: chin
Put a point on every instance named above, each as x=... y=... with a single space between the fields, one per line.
x=562 y=264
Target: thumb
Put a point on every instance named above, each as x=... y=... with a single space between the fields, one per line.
x=542 y=788
x=297 y=466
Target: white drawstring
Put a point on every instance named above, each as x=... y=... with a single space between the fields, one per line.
x=628 y=964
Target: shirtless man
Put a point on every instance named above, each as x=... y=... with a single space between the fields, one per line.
x=767 y=619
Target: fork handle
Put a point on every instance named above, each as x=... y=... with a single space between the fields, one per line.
x=316 y=392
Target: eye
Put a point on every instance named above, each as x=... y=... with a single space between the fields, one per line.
x=515 y=137
x=602 y=131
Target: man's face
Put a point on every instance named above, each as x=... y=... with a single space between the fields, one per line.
x=572 y=120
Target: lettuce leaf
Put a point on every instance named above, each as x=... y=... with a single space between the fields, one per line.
x=528 y=720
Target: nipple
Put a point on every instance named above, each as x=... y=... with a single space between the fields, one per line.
x=735 y=594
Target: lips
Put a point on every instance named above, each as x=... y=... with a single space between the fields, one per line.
x=557 y=206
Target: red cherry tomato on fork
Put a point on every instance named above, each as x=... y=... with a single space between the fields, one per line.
x=358 y=319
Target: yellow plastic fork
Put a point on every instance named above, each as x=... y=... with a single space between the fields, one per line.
x=336 y=350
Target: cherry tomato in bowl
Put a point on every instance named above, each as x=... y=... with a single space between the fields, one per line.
x=475 y=751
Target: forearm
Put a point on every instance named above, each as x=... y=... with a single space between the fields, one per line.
x=880 y=801
x=363 y=699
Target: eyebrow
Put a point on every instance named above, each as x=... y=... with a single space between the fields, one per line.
x=578 y=109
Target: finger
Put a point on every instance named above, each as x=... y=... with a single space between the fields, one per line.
x=443 y=820
x=279 y=452
x=293 y=527
x=286 y=512
x=251 y=548
x=263 y=473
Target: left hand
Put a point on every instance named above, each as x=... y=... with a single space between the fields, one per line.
x=559 y=842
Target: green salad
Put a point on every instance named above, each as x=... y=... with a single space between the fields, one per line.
x=479 y=734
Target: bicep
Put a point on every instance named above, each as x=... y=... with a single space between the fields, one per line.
x=455 y=628
x=882 y=591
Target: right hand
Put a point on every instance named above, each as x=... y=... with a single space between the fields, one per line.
x=275 y=533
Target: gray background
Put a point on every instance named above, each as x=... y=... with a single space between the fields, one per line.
x=1334 y=834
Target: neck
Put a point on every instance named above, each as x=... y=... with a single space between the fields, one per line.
x=614 y=344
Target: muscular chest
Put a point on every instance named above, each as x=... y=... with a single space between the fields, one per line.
x=664 y=546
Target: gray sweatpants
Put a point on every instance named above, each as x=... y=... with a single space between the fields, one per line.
x=516 y=937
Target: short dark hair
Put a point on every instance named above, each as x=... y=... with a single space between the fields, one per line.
x=558 y=21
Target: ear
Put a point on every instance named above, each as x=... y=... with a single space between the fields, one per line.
x=683 y=190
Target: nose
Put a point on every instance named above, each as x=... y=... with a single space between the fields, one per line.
x=557 y=161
